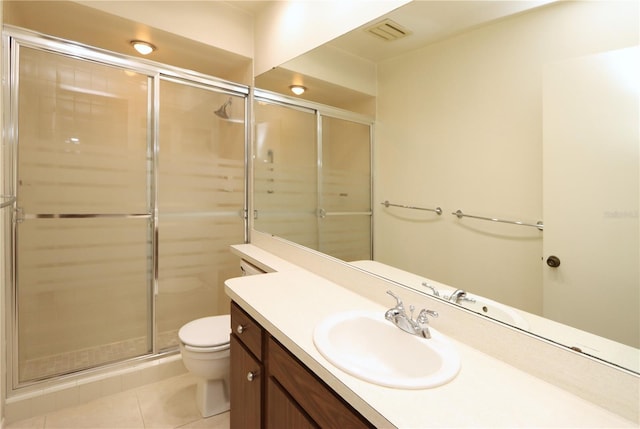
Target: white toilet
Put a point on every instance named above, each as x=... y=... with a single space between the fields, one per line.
x=204 y=345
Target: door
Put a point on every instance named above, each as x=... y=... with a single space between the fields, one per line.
x=591 y=108
x=200 y=202
x=312 y=178
x=345 y=189
x=285 y=172
x=84 y=226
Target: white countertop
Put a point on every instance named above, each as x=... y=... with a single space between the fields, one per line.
x=486 y=393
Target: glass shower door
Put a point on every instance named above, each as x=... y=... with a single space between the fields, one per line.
x=201 y=200
x=285 y=169
x=84 y=225
x=345 y=189
x=312 y=177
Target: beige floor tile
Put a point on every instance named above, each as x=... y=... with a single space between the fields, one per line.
x=167 y=404
x=32 y=423
x=170 y=403
x=120 y=411
x=221 y=421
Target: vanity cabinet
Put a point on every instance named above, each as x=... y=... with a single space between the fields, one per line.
x=247 y=371
x=271 y=388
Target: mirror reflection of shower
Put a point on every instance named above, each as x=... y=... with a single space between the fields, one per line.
x=224 y=112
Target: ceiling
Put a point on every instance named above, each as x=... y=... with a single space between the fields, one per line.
x=429 y=21
x=90 y=26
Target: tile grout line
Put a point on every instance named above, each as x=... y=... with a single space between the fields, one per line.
x=144 y=424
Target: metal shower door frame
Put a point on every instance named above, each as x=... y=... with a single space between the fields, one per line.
x=13 y=39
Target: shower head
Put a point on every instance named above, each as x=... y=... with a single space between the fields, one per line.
x=222 y=111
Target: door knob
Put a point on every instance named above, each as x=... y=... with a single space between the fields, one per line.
x=553 y=261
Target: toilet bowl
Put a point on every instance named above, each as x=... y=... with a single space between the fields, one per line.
x=204 y=345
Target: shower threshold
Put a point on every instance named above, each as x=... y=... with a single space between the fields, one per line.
x=46 y=367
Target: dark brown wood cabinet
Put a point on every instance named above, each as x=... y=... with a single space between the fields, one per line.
x=271 y=388
x=247 y=371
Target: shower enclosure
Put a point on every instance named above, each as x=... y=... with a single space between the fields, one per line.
x=128 y=191
x=312 y=175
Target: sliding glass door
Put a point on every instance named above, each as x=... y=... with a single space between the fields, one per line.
x=84 y=221
x=130 y=186
x=345 y=195
x=312 y=176
x=200 y=201
x=285 y=172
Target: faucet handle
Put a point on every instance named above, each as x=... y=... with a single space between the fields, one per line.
x=433 y=289
x=423 y=316
x=399 y=305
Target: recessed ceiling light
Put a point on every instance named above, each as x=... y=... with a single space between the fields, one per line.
x=297 y=89
x=144 y=48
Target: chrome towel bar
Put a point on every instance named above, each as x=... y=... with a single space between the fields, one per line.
x=460 y=215
x=437 y=210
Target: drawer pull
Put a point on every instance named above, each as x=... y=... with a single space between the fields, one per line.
x=251 y=375
x=240 y=329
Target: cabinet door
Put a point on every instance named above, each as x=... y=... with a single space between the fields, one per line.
x=323 y=405
x=282 y=411
x=246 y=393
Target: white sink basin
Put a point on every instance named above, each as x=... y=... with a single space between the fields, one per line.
x=366 y=345
x=496 y=311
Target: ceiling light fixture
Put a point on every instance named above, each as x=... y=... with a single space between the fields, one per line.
x=297 y=89
x=144 y=48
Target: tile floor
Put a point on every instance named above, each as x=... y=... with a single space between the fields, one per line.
x=167 y=404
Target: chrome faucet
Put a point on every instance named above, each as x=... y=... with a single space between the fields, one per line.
x=458 y=296
x=433 y=289
x=399 y=317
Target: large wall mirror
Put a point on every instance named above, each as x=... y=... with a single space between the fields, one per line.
x=519 y=122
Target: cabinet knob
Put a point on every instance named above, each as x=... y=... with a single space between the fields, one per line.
x=240 y=329
x=251 y=375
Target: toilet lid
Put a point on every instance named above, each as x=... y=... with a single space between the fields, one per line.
x=206 y=332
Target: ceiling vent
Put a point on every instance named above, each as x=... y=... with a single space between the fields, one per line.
x=388 y=30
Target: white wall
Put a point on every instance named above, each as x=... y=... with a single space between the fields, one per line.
x=338 y=67
x=460 y=126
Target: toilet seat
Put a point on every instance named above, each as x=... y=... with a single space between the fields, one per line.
x=207 y=334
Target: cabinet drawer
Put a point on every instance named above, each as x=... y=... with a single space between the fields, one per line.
x=247 y=330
